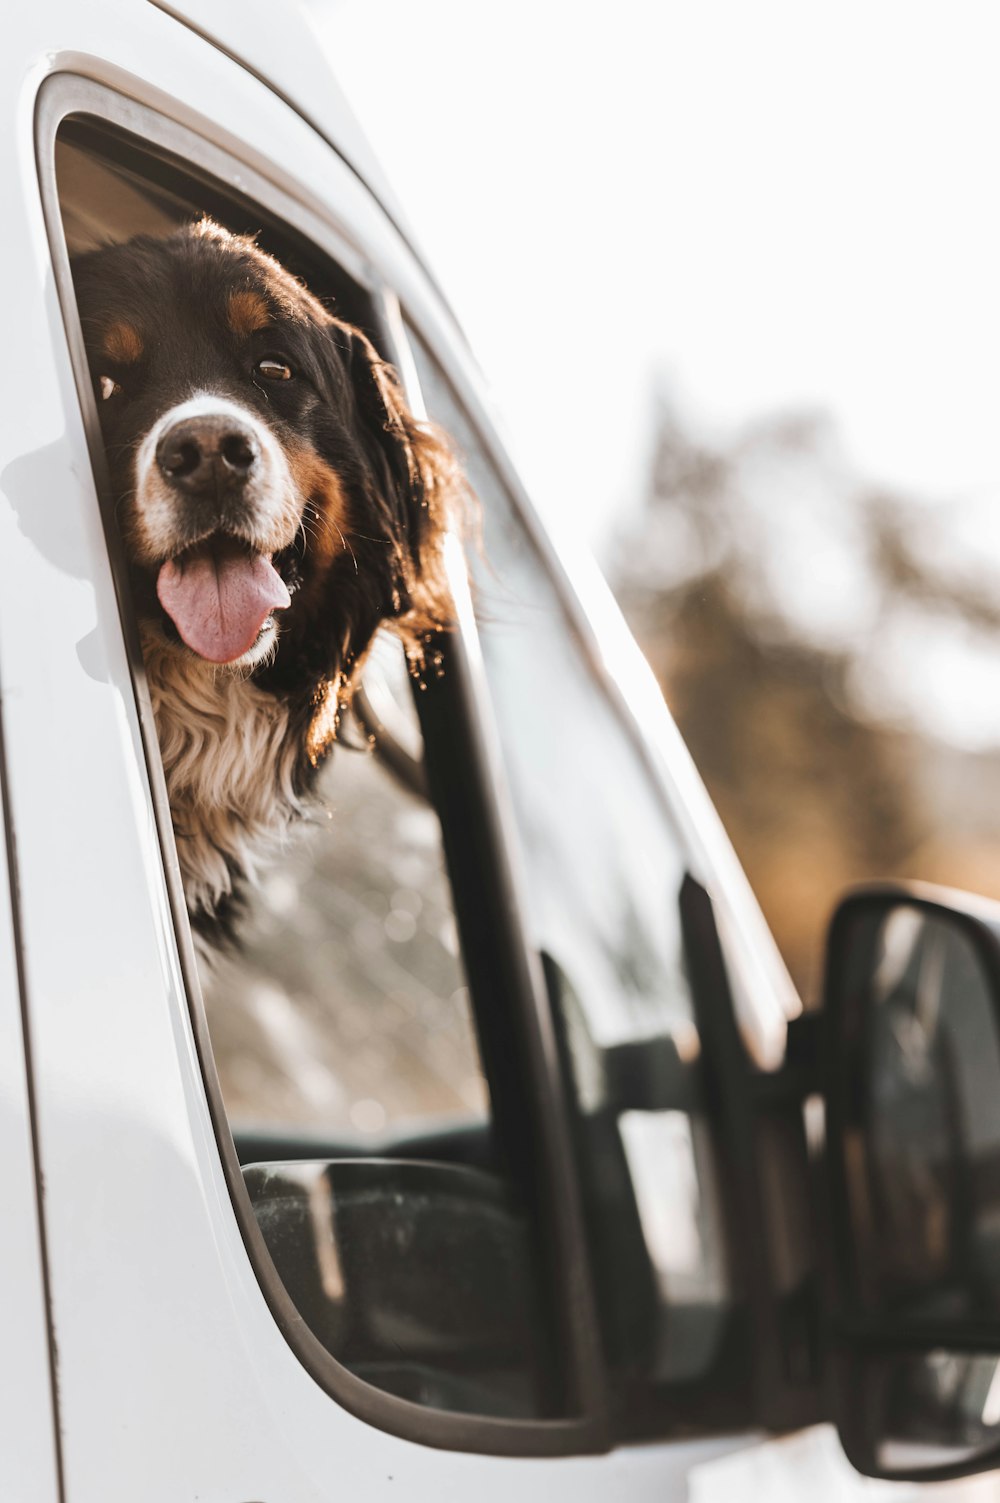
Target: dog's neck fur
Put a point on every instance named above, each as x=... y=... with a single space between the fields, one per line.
x=229 y=764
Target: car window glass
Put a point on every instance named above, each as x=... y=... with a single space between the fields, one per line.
x=345 y=1007
x=603 y=872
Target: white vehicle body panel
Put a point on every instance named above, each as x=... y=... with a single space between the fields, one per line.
x=298 y=70
x=27 y=1427
x=174 y=1381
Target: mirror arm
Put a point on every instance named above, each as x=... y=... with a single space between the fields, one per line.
x=799 y=1074
x=651 y=1075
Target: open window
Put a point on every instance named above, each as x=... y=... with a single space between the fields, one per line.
x=344 y=1008
x=381 y=1091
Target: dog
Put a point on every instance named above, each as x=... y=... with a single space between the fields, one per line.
x=278 y=503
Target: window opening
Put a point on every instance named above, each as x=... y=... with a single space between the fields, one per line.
x=342 y=1027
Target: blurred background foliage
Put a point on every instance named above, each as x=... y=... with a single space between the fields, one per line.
x=790 y=611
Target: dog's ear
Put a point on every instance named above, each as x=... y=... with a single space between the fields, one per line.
x=422 y=491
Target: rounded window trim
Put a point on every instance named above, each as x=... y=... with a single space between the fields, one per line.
x=121 y=103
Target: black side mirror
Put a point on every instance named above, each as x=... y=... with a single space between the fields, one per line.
x=911 y=1069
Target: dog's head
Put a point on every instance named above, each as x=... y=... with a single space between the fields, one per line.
x=277 y=499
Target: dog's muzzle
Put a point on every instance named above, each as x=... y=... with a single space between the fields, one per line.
x=210 y=457
x=209 y=464
x=215 y=503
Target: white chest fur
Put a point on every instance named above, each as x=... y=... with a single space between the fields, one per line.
x=228 y=764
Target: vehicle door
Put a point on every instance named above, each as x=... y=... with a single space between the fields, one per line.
x=28 y=1435
x=186 y=1367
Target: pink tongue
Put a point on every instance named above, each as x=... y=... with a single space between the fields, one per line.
x=219 y=597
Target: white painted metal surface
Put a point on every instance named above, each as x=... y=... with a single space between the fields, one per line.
x=297 y=68
x=174 y=1381
x=27 y=1430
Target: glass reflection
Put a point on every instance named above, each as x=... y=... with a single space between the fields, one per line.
x=680 y=1222
x=936 y=1409
x=417 y=1277
x=344 y=1009
x=603 y=868
x=929 y=1192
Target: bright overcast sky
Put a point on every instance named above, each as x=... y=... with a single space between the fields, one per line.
x=761 y=206
x=773 y=204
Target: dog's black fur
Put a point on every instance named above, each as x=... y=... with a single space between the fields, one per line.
x=312 y=461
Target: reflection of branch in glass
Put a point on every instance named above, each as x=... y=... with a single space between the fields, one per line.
x=911 y=1135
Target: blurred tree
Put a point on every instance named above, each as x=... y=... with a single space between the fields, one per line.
x=816 y=787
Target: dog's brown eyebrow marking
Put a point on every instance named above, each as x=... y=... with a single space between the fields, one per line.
x=321 y=485
x=123 y=343
x=247 y=312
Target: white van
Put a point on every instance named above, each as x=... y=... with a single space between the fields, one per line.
x=502 y=1160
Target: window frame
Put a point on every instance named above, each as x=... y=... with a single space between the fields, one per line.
x=756 y=1108
x=459 y=704
x=579 y=630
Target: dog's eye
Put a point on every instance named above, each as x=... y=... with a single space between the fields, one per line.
x=274 y=370
x=109 y=388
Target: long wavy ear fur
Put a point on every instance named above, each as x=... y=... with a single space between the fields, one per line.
x=423 y=485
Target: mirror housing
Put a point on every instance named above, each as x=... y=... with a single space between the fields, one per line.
x=910 y=1068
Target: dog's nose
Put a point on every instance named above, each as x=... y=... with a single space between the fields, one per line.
x=206 y=454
